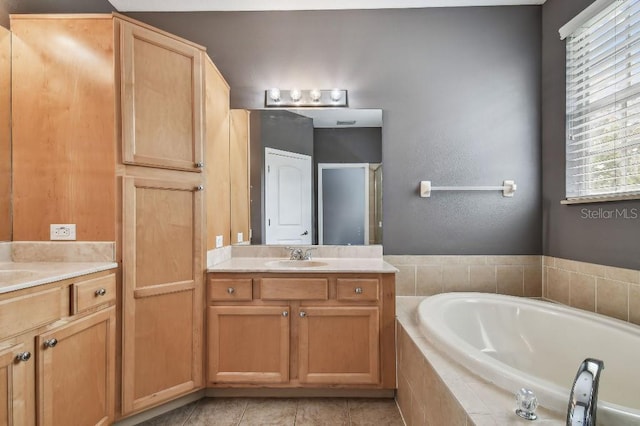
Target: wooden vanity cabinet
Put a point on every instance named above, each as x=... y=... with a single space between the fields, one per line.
x=49 y=369
x=308 y=330
x=114 y=114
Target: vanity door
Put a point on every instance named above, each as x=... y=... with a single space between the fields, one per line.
x=338 y=345
x=14 y=361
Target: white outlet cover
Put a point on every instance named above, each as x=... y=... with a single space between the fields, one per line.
x=219 y=241
x=62 y=232
x=240 y=237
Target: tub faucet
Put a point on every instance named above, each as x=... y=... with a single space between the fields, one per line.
x=583 y=401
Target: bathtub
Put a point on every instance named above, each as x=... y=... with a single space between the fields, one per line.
x=516 y=342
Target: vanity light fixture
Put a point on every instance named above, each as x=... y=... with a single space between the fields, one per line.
x=278 y=98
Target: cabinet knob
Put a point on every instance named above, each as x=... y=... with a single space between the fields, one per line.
x=285 y=314
x=303 y=314
x=198 y=188
x=231 y=290
x=23 y=356
x=51 y=343
x=199 y=165
x=358 y=290
x=101 y=292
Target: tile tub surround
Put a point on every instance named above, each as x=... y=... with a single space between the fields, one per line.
x=606 y=290
x=434 y=390
x=429 y=275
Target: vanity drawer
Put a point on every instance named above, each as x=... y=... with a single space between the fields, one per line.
x=90 y=293
x=230 y=289
x=23 y=313
x=355 y=289
x=294 y=289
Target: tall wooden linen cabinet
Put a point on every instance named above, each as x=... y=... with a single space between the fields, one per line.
x=123 y=106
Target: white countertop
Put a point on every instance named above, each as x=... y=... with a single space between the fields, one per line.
x=19 y=275
x=273 y=264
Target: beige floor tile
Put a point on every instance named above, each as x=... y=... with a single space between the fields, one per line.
x=173 y=418
x=374 y=412
x=218 y=411
x=322 y=411
x=269 y=411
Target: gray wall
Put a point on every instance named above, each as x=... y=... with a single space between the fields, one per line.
x=460 y=90
x=4 y=13
x=566 y=231
x=345 y=145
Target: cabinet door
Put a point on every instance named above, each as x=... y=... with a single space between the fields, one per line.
x=338 y=345
x=161 y=96
x=76 y=368
x=163 y=305
x=248 y=344
x=13 y=385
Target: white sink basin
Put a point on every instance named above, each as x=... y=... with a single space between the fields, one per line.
x=295 y=263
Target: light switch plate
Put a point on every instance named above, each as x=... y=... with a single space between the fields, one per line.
x=62 y=232
x=219 y=241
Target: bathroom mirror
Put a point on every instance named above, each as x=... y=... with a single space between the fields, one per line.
x=5 y=134
x=337 y=154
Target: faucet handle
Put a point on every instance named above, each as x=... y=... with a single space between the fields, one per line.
x=307 y=253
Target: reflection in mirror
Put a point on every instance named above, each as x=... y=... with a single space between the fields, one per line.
x=326 y=137
x=5 y=134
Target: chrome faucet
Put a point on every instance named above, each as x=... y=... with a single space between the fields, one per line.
x=296 y=253
x=583 y=401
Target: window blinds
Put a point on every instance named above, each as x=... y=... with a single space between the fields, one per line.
x=603 y=103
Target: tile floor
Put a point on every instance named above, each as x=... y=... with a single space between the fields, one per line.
x=277 y=411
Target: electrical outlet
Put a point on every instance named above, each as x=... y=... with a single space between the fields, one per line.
x=240 y=237
x=62 y=231
x=219 y=241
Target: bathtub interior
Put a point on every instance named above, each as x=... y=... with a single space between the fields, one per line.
x=546 y=342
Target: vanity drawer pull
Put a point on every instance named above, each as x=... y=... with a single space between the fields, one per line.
x=92 y=292
x=357 y=289
x=238 y=289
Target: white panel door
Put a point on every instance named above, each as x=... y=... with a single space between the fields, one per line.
x=287 y=197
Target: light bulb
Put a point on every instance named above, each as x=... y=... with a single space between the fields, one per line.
x=336 y=94
x=315 y=95
x=274 y=94
x=295 y=95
